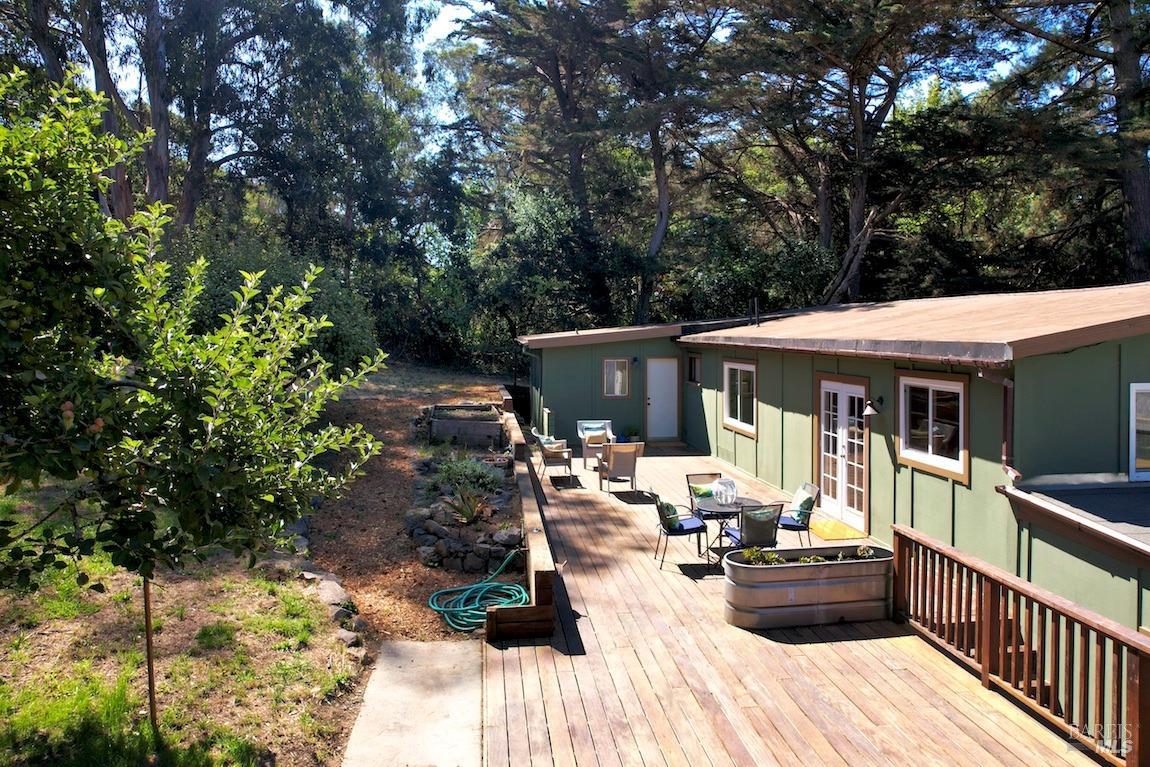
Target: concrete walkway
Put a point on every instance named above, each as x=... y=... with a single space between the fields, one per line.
x=423 y=706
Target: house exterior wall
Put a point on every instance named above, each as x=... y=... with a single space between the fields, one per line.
x=973 y=517
x=1072 y=416
x=572 y=385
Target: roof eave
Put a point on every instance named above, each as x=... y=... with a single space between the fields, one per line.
x=974 y=354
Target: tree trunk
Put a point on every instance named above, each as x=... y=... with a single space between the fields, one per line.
x=150 y=658
x=157 y=158
x=46 y=44
x=662 y=221
x=1130 y=102
x=95 y=44
x=823 y=207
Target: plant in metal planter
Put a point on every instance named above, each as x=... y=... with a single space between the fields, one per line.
x=798 y=587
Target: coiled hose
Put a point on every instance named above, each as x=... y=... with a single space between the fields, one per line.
x=464 y=608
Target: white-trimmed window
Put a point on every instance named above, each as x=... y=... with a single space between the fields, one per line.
x=739 y=396
x=1140 y=432
x=616 y=378
x=932 y=424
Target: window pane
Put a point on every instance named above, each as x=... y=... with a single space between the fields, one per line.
x=747 y=397
x=1142 y=431
x=615 y=378
x=733 y=393
x=944 y=440
x=918 y=421
x=694 y=374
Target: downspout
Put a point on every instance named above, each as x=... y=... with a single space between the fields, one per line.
x=1007 y=384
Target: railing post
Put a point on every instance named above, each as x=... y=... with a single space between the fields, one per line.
x=1137 y=709
x=988 y=627
x=901 y=576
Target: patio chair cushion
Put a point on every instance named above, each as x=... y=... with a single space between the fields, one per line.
x=686 y=526
x=802 y=504
x=702 y=491
x=790 y=522
x=668 y=515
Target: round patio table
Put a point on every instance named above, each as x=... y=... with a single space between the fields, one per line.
x=708 y=509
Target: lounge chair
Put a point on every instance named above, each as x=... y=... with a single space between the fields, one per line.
x=619 y=461
x=555 y=452
x=593 y=435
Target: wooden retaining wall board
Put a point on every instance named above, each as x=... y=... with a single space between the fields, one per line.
x=537 y=619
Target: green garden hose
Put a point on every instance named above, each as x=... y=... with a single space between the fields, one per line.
x=465 y=607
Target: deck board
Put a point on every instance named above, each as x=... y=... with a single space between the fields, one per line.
x=643 y=670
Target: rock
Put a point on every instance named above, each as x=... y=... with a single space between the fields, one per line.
x=359 y=655
x=358 y=624
x=473 y=563
x=443 y=516
x=301 y=526
x=331 y=593
x=300 y=544
x=436 y=528
x=453 y=563
x=428 y=555
x=425 y=539
x=442 y=547
x=415 y=517
x=316 y=574
x=277 y=568
x=339 y=614
x=483 y=550
x=349 y=638
x=512 y=536
x=497 y=554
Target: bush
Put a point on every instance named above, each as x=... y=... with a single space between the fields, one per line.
x=351 y=335
x=467 y=476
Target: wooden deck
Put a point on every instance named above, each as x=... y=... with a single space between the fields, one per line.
x=643 y=670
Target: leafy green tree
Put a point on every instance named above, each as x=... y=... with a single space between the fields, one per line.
x=175 y=440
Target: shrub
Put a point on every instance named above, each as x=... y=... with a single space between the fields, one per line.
x=757 y=556
x=351 y=335
x=467 y=476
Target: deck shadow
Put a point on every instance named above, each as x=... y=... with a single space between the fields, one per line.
x=567 y=482
x=566 y=638
x=836 y=632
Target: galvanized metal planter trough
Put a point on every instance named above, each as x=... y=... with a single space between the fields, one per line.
x=806 y=594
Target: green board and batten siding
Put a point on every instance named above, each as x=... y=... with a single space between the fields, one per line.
x=973 y=517
x=571 y=385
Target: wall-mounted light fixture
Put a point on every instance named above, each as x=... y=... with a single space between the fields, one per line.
x=634 y=360
x=873 y=407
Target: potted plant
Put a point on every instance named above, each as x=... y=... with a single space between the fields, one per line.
x=802 y=587
x=630 y=434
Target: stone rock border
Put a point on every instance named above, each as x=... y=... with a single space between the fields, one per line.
x=294 y=563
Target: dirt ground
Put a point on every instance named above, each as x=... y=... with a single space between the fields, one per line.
x=361 y=536
x=277 y=678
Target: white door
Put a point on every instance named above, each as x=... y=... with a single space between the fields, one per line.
x=662 y=398
x=842 y=452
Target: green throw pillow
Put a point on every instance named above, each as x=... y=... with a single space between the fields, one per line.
x=702 y=491
x=668 y=516
x=802 y=505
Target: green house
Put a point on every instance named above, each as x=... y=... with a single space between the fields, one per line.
x=1015 y=427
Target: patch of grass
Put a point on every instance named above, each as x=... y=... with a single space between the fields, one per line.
x=78 y=719
x=216 y=636
x=295 y=619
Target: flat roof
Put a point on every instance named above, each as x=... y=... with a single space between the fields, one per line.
x=990 y=329
x=1123 y=509
x=623 y=333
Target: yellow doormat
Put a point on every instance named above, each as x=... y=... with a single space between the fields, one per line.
x=834 y=530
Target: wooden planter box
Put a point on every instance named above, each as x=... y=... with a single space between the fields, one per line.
x=471 y=425
x=795 y=594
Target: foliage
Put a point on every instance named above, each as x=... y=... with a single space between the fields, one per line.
x=179 y=439
x=812 y=559
x=468 y=476
x=754 y=555
x=470 y=507
x=347 y=339
x=216 y=636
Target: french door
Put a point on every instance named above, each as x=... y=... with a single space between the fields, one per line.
x=842 y=452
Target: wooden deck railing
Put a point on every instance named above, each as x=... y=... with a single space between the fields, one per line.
x=1086 y=674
